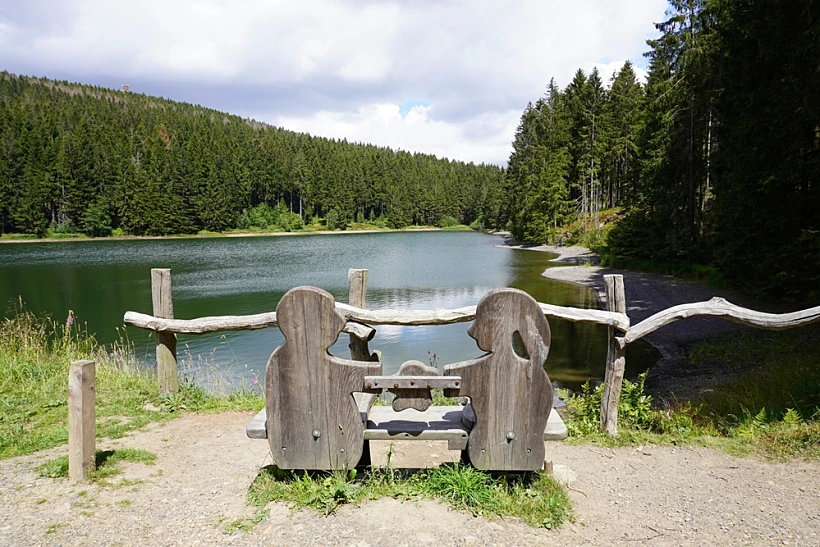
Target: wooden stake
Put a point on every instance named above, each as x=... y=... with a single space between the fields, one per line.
x=357 y=296
x=166 y=342
x=82 y=419
x=615 y=360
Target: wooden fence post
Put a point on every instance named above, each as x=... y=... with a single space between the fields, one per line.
x=359 y=350
x=357 y=296
x=166 y=341
x=615 y=360
x=82 y=419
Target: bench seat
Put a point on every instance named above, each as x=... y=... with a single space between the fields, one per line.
x=441 y=423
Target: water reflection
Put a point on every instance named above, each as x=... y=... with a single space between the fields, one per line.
x=100 y=280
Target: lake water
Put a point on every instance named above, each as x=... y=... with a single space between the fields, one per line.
x=101 y=280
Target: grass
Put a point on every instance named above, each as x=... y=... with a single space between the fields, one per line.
x=35 y=354
x=771 y=408
x=780 y=371
x=690 y=271
x=106 y=463
x=536 y=498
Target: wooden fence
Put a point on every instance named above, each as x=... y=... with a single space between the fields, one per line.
x=360 y=319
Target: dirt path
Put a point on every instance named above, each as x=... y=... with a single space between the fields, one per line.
x=628 y=496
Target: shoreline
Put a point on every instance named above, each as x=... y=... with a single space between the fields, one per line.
x=226 y=234
x=669 y=380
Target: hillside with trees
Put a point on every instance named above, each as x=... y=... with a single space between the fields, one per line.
x=714 y=161
x=82 y=158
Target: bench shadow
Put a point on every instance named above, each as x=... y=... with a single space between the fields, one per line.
x=102 y=456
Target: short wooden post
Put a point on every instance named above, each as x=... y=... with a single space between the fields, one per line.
x=615 y=359
x=357 y=296
x=166 y=341
x=82 y=419
x=359 y=351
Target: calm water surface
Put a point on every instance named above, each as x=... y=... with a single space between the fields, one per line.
x=101 y=280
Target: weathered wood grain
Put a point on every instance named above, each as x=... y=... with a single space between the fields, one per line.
x=556 y=429
x=463 y=315
x=217 y=323
x=417 y=381
x=356 y=316
x=82 y=419
x=511 y=396
x=439 y=418
x=615 y=358
x=163 y=305
x=412 y=393
x=718 y=307
x=257 y=427
x=312 y=418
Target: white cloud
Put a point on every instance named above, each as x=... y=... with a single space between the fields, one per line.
x=416 y=131
x=609 y=69
x=475 y=63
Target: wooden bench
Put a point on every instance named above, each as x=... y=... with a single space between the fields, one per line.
x=437 y=423
x=319 y=412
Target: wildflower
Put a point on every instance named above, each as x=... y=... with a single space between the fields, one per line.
x=255 y=379
x=70 y=319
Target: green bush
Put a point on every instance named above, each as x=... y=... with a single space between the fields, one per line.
x=447 y=222
x=291 y=222
x=332 y=219
x=635 y=411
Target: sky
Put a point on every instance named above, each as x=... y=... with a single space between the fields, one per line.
x=449 y=78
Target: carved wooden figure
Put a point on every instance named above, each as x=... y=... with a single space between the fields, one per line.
x=510 y=395
x=419 y=398
x=312 y=418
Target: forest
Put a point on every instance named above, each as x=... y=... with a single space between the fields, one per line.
x=77 y=158
x=713 y=161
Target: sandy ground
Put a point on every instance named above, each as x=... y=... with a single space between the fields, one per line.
x=646 y=496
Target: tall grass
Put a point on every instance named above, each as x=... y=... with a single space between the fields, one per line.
x=777 y=371
x=35 y=356
x=771 y=407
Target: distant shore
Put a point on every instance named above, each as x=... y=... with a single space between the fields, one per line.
x=230 y=234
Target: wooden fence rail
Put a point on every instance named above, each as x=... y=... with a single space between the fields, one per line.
x=621 y=333
x=718 y=307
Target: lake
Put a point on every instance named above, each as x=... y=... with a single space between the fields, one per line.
x=101 y=280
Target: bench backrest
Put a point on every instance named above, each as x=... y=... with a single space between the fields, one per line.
x=312 y=419
x=510 y=395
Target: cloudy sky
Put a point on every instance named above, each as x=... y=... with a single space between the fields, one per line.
x=444 y=77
